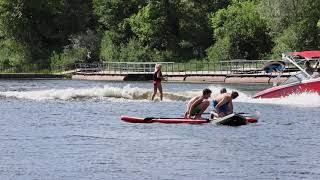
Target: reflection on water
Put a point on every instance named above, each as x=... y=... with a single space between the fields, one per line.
x=72 y=130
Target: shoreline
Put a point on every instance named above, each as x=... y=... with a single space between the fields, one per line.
x=8 y=76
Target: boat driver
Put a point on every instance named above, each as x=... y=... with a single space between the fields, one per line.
x=308 y=68
x=197 y=105
x=223 y=104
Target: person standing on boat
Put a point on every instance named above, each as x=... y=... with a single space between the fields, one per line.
x=157 y=77
x=197 y=105
x=223 y=104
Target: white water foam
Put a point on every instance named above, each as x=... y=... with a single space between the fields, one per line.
x=128 y=93
x=71 y=93
x=304 y=100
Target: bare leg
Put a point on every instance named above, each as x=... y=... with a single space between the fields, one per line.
x=154 y=92
x=203 y=106
x=160 y=90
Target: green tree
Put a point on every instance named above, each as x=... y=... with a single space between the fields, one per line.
x=293 y=24
x=153 y=27
x=133 y=51
x=111 y=13
x=194 y=32
x=14 y=55
x=110 y=51
x=240 y=33
x=298 y=37
x=67 y=58
x=43 y=25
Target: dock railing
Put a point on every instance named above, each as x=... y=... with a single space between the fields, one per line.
x=119 y=67
x=231 y=67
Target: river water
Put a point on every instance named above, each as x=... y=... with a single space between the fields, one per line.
x=66 y=129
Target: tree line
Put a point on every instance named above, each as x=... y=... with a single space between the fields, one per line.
x=45 y=34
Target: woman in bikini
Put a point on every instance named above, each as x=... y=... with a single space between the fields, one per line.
x=157 y=77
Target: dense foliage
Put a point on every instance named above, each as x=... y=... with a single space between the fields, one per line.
x=47 y=34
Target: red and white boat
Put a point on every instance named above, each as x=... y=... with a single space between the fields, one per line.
x=298 y=83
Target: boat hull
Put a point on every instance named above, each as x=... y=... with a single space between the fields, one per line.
x=312 y=85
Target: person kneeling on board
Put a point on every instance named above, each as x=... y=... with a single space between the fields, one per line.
x=223 y=104
x=197 y=105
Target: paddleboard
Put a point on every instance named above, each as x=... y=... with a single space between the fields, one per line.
x=230 y=120
x=131 y=119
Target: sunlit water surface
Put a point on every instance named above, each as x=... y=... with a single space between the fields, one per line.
x=72 y=130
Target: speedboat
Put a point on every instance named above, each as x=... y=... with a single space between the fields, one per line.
x=300 y=82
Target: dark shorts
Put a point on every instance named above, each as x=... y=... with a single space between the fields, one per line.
x=223 y=108
x=196 y=110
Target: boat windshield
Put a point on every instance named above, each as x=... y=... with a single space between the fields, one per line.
x=295 y=78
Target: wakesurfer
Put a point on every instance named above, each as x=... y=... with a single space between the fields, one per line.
x=157 y=77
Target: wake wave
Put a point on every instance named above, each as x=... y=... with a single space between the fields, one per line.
x=140 y=94
x=304 y=99
x=126 y=92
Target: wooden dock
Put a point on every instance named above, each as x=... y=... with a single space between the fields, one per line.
x=191 y=76
x=235 y=71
